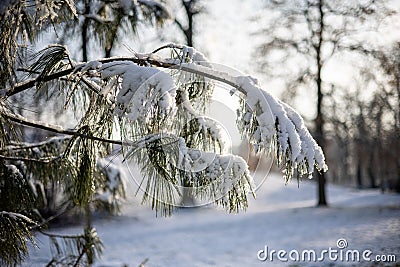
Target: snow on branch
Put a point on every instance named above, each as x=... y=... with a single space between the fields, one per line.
x=296 y=149
x=227 y=176
x=15 y=215
x=222 y=179
x=140 y=87
x=270 y=124
x=158 y=100
x=283 y=132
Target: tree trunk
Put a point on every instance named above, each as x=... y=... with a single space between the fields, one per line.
x=114 y=31
x=188 y=199
x=189 y=30
x=370 y=170
x=84 y=32
x=359 y=175
x=319 y=121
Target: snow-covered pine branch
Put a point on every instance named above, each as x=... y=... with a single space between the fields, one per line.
x=152 y=95
x=269 y=123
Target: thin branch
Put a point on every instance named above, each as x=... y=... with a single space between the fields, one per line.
x=83 y=252
x=91 y=86
x=61 y=236
x=43 y=160
x=28 y=70
x=20 y=87
x=142 y=264
x=171 y=45
x=21 y=146
x=39 y=225
x=58 y=130
x=17 y=215
x=180 y=26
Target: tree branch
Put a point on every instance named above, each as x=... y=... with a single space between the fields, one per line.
x=17 y=215
x=47 y=160
x=142 y=61
x=20 y=87
x=179 y=24
x=55 y=129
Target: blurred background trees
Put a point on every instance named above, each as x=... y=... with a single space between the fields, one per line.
x=366 y=129
x=329 y=55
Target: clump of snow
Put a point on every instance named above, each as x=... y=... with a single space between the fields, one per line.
x=309 y=148
x=191 y=55
x=14 y=171
x=230 y=178
x=227 y=175
x=211 y=126
x=142 y=88
x=294 y=142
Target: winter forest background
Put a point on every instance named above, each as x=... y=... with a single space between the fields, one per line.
x=80 y=162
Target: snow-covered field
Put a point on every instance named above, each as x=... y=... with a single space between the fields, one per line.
x=282 y=218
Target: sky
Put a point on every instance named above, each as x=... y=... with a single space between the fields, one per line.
x=226 y=32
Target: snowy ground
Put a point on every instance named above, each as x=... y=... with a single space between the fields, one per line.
x=282 y=217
